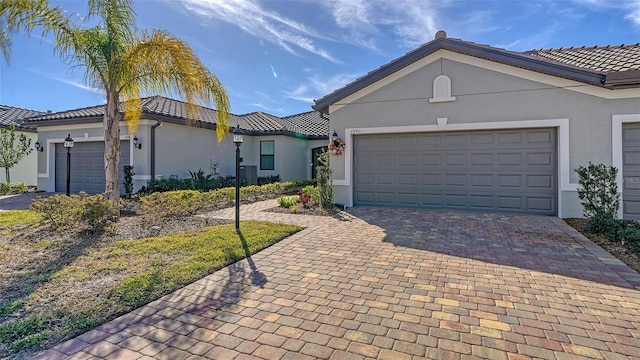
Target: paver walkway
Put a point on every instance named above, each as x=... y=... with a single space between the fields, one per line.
x=393 y=284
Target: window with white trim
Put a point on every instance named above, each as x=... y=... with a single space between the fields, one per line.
x=267 y=155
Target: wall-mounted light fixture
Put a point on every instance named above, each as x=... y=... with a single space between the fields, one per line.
x=136 y=143
x=334 y=138
x=38 y=147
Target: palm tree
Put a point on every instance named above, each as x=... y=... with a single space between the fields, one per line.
x=122 y=61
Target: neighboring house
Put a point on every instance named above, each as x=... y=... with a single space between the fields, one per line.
x=169 y=143
x=25 y=170
x=459 y=125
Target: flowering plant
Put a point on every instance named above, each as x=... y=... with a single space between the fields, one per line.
x=336 y=147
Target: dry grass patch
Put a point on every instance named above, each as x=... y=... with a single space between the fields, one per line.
x=81 y=282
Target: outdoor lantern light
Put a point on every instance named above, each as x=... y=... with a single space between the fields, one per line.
x=334 y=138
x=136 y=143
x=238 y=138
x=38 y=146
x=68 y=144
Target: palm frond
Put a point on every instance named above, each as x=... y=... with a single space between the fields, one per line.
x=161 y=63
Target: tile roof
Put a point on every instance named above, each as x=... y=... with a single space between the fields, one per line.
x=605 y=66
x=597 y=58
x=13 y=115
x=258 y=123
x=313 y=122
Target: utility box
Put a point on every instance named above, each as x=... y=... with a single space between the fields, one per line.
x=249 y=173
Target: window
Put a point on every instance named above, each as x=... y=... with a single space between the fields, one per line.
x=267 y=155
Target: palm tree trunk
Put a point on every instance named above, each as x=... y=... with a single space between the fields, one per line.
x=111 y=124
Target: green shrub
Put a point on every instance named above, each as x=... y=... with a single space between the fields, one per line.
x=314 y=193
x=12 y=188
x=288 y=201
x=100 y=214
x=200 y=180
x=307 y=182
x=95 y=213
x=171 y=204
x=63 y=212
x=170 y=184
x=127 y=181
x=598 y=189
x=264 y=180
x=197 y=180
x=325 y=183
x=629 y=236
x=601 y=223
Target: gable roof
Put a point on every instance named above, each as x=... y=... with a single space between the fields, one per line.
x=165 y=109
x=610 y=67
x=13 y=115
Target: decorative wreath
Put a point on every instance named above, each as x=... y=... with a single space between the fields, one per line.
x=336 y=147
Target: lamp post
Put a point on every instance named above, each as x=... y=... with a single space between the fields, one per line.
x=238 y=138
x=68 y=144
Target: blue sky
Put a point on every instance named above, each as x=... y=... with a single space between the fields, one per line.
x=277 y=56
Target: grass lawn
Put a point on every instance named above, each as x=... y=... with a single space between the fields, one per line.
x=45 y=302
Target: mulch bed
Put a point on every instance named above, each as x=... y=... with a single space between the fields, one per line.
x=619 y=251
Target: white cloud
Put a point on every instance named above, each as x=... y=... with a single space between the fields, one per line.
x=252 y=18
x=634 y=13
x=317 y=86
x=71 y=82
x=413 y=21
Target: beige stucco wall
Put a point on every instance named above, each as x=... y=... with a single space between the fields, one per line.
x=25 y=171
x=292 y=156
x=485 y=96
x=180 y=149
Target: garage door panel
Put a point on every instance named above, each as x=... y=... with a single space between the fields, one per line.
x=385 y=179
x=482 y=202
x=509 y=158
x=540 y=158
x=408 y=179
x=482 y=159
x=509 y=203
x=408 y=199
x=631 y=171
x=482 y=180
x=508 y=170
x=455 y=200
x=540 y=181
x=456 y=159
x=539 y=137
x=540 y=204
x=510 y=138
x=385 y=198
x=631 y=157
x=87 y=167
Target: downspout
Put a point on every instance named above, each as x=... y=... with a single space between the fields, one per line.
x=153 y=149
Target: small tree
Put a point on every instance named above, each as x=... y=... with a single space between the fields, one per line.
x=13 y=148
x=128 y=180
x=598 y=190
x=325 y=183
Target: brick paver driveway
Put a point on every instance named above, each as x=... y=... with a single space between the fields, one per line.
x=393 y=284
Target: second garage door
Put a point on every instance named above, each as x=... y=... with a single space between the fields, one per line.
x=504 y=171
x=87 y=167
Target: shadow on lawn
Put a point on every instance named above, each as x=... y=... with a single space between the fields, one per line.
x=539 y=243
x=22 y=286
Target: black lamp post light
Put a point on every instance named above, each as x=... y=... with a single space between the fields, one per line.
x=68 y=144
x=39 y=148
x=238 y=138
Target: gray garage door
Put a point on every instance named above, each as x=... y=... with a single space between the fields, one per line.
x=87 y=166
x=506 y=171
x=631 y=171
